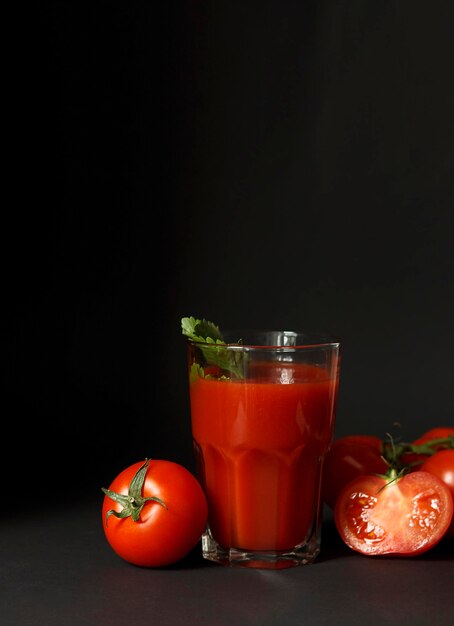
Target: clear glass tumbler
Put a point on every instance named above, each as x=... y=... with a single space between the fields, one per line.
x=262 y=415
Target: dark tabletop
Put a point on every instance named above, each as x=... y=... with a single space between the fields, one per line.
x=58 y=570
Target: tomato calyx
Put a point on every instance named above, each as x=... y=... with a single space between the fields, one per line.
x=391 y=456
x=392 y=453
x=134 y=502
x=392 y=476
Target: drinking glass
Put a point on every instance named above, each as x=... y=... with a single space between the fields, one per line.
x=262 y=417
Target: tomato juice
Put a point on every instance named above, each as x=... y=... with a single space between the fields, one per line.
x=260 y=444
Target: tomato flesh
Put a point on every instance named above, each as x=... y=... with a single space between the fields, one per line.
x=406 y=517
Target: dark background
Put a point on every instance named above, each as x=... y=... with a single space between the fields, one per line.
x=277 y=165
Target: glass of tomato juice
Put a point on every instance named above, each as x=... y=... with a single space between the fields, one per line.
x=262 y=416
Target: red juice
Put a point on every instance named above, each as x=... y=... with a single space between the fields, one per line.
x=260 y=444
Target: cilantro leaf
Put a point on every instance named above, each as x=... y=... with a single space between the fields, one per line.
x=210 y=337
x=201 y=330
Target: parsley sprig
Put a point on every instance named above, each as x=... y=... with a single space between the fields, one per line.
x=212 y=346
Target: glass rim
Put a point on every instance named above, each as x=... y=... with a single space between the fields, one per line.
x=312 y=340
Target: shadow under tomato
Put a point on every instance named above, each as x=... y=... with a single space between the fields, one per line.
x=193 y=560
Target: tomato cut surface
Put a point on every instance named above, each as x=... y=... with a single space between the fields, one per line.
x=405 y=517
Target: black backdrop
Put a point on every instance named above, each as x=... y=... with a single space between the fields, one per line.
x=278 y=164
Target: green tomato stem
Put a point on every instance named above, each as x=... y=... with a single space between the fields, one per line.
x=134 y=502
x=393 y=453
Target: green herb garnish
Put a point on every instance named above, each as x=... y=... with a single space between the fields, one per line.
x=211 y=342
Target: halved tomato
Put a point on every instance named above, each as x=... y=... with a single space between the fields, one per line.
x=406 y=516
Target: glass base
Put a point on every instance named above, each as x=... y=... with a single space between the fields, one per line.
x=263 y=559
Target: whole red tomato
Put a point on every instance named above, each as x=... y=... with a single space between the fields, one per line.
x=349 y=457
x=439 y=433
x=154 y=513
x=441 y=464
x=403 y=516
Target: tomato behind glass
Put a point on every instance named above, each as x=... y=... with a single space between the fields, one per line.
x=441 y=464
x=170 y=521
x=405 y=517
x=439 y=432
x=415 y=460
x=349 y=457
